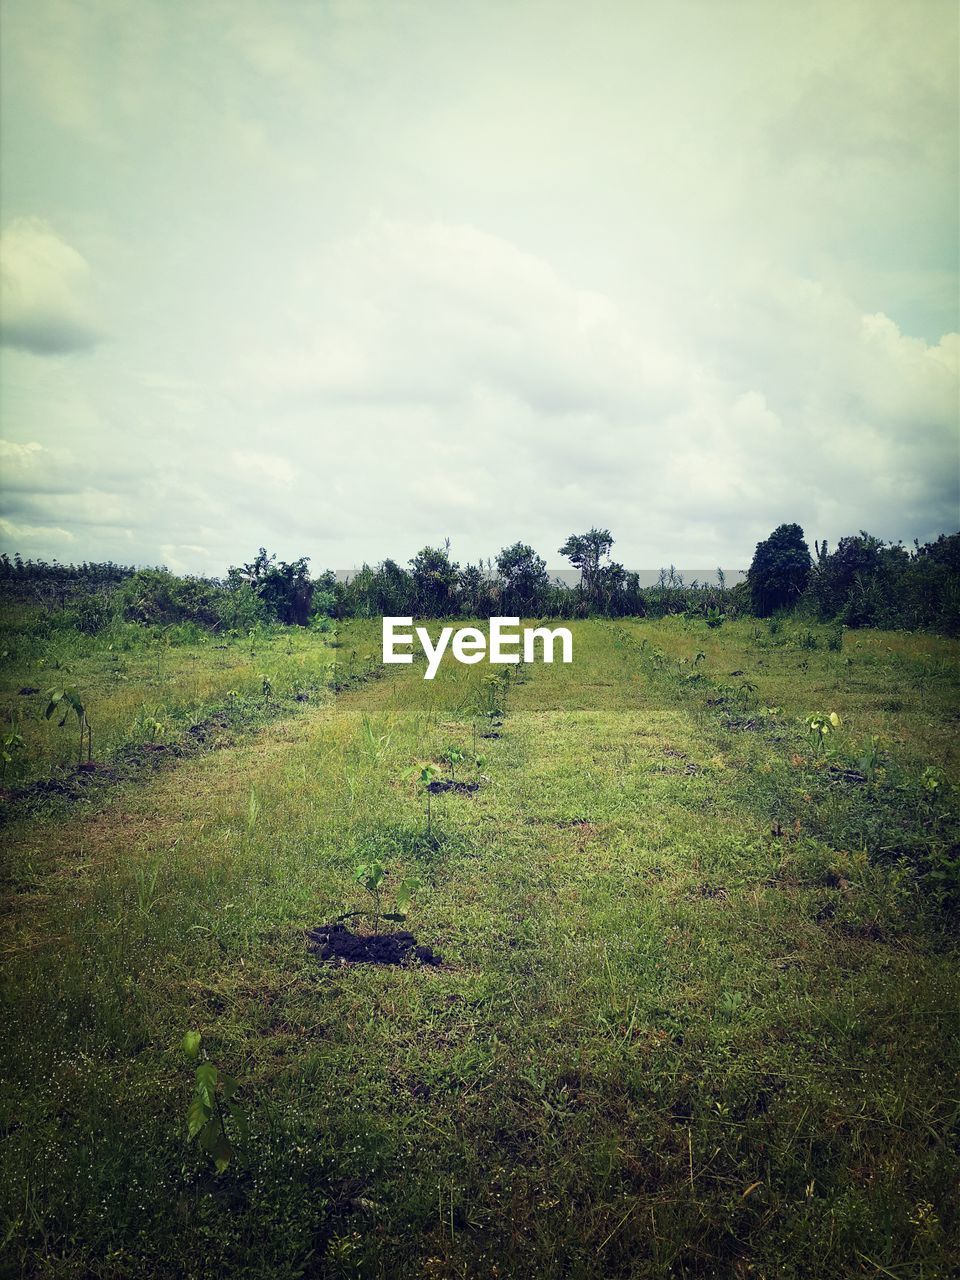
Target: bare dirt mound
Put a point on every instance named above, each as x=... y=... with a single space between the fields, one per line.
x=336 y=942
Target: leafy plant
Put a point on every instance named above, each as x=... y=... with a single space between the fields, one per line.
x=820 y=726
x=67 y=700
x=213 y=1111
x=150 y=724
x=12 y=750
x=372 y=877
x=452 y=757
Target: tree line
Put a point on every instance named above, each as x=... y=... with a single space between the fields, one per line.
x=862 y=582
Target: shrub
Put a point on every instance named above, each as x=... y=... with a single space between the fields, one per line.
x=780 y=570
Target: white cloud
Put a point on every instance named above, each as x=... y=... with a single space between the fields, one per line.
x=266 y=468
x=43 y=286
x=374 y=275
x=25 y=533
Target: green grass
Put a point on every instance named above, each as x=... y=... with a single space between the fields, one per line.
x=698 y=1014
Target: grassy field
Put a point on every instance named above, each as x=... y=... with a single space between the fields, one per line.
x=698 y=1009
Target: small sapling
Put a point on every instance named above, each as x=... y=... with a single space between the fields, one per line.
x=213 y=1109
x=67 y=700
x=820 y=726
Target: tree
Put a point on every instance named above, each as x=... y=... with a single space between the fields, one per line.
x=523 y=577
x=285 y=589
x=473 y=588
x=434 y=581
x=585 y=552
x=780 y=570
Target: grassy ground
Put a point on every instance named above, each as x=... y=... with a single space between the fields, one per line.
x=698 y=1014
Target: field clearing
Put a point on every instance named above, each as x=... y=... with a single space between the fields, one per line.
x=142 y=684
x=698 y=1011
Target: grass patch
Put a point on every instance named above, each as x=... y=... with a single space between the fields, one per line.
x=693 y=1017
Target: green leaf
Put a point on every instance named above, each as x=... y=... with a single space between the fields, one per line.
x=228 y=1087
x=222 y=1152
x=191 y=1044
x=408 y=887
x=198 y=1114
x=209 y=1134
x=207 y=1081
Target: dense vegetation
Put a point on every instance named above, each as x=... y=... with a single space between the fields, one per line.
x=863 y=582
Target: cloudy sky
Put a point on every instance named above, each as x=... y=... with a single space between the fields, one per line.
x=347 y=277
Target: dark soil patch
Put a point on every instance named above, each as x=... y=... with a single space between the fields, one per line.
x=336 y=942
x=439 y=785
x=716 y=891
x=838 y=774
x=674 y=753
x=491 y=734
x=573 y=822
x=27 y=690
x=747 y=726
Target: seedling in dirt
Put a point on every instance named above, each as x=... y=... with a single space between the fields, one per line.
x=213 y=1106
x=372 y=875
x=820 y=726
x=266 y=687
x=67 y=700
x=452 y=757
x=479 y=762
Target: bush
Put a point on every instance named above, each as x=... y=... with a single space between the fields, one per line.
x=157 y=597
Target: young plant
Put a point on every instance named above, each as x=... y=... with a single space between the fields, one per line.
x=479 y=762
x=13 y=747
x=213 y=1106
x=452 y=757
x=871 y=762
x=67 y=700
x=427 y=775
x=820 y=726
x=372 y=876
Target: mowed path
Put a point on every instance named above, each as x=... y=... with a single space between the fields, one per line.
x=649 y=1050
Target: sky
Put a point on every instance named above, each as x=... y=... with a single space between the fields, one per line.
x=345 y=278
